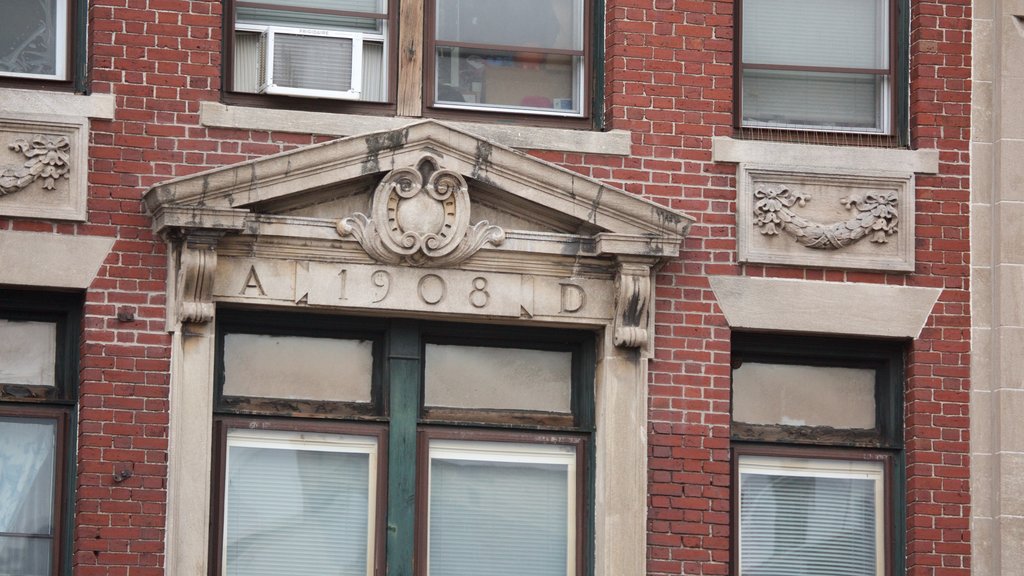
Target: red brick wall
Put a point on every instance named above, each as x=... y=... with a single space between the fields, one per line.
x=669 y=82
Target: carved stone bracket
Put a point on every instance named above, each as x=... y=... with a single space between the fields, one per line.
x=633 y=295
x=875 y=216
x=49 y=158
x=420 y=217
x=196 y=266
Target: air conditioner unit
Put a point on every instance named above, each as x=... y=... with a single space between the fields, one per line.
x=311 y=63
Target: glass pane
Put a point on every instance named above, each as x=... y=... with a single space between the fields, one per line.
x=509 y=508
x=529 y=23
x=299 y=504
x=31 y=36
x=830 y=33
x=497 y=378
x=803 y=395
x=810 y=518
x=273 y=16
x=530 y=81
x=813 y=100
x=298 y=367
x=28 y=352
x=27 y=479
x=22 y=556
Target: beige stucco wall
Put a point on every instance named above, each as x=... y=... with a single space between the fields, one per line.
x=997 y=398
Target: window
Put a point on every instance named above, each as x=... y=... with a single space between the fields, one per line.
x=817 y=456
x=313 y=48
x=38 y=371
x=34 y=39
x=329 y=428
x=818 y=65
x=523 y=56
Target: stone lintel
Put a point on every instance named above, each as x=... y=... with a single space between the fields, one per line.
x=814 y=307
x=51 y=260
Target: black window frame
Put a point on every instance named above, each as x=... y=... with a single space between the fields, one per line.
x=898 y=133
x=56 y=403
x=884 y=443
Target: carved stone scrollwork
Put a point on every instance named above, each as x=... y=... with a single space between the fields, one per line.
x=48 y=158
x=196 y=266
x=875 y=216
x=420 y=217
x=633 y=293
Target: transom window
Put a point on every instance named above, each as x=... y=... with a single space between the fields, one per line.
x=329 y=428
x=817 y=65
x=817 y=449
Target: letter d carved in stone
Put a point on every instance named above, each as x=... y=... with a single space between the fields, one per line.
x=573 y=297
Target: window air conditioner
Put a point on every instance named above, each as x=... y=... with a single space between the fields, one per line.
x=311 y=63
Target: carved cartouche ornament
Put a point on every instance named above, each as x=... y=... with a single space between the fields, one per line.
x=420 y=217
x=48 y=158
x=875 y=216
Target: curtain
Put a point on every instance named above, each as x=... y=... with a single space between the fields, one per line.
x=26 y=495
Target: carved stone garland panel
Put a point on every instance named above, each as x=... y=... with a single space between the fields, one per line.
x=43 y=167
x=822 y=218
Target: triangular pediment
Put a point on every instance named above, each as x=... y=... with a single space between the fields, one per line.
x=346 y=180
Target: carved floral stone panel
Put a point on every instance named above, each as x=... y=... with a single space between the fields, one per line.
x=43 y=167
x=834 y=219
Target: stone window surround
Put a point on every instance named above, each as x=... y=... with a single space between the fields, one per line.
x=209 y=264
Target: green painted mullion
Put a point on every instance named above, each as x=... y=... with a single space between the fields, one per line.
x=403 y=393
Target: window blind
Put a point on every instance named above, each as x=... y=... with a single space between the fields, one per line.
x=811 y=524
x=301 y=510
x=502 y=516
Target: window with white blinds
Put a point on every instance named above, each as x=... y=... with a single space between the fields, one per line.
x=299 y=503
x=817 y=64
x=509 y=507
x=810 y=517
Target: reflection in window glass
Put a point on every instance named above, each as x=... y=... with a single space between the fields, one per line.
x=33 y=38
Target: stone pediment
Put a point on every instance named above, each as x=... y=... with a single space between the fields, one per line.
x=425 y=220
x=329 y=182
